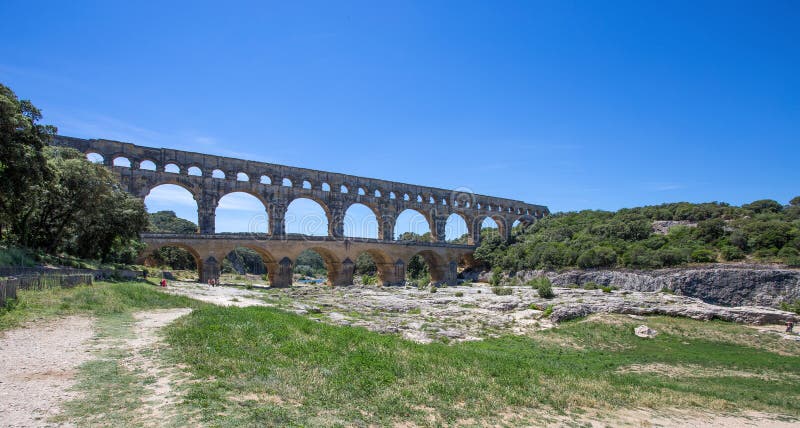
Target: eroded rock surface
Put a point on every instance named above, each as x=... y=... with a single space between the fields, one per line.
x=721 y=284
x=474 y=312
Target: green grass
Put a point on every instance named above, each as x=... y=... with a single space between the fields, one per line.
x=294 y=371
x=102 y=298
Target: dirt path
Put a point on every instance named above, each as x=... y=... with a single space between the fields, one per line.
x=145 y=350
x=39 y=366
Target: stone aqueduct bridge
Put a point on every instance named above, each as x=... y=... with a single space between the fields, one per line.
x=208 y=178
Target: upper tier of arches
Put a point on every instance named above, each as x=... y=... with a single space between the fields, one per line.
x=209 y=178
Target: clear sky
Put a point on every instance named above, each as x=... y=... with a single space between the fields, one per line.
x=574 y=105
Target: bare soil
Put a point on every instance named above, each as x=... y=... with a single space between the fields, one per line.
x=40 y=361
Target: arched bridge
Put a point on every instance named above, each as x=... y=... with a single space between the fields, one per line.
x=208 y=178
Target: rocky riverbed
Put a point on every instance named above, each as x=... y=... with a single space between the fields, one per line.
x=474 y=312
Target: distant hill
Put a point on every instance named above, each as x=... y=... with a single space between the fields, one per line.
x=168 y=222
x=650 y=237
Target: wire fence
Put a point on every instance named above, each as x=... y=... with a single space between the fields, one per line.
x=11 y=285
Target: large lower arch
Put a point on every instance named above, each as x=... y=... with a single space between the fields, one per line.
x=388 y=271
x=198 y=260
x=306 y=216
x=412 y=225
x=241 y=212
x=361 y=221
x=172 y=198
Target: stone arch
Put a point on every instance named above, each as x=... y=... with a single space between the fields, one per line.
x=457 y=225
x=286 y=182
x=334 y=266
x=436 y=265
x=269 y=261
x=194 y=171
x=377 y=193
x=304 y=219
x=265 y=179
x=359 y=224
x=241 y=176
x=325 y=187
x=241 y=211
x=198 y=260
x=344 y=189
x=361 y=192
x=218 y=174
x=412 y=224
x=95 y=157
x=121 y=161
x=148 y=165
x=168 y=197
x=477 y=225
x=172 y=168
x=306 y=184
x=384 y=265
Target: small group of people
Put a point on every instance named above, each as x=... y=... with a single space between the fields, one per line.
x=212 y=282
x=164 y=282
x=790 y=326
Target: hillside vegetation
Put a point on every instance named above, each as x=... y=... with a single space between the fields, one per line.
x=763 y=231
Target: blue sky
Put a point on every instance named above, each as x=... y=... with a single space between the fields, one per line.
x=574 y=105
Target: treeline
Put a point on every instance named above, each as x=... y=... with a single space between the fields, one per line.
x=762 y=231
x=53 y=200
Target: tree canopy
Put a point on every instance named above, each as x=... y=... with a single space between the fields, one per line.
x=763 y=230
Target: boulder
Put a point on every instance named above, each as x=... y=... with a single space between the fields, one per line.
x=645 y=332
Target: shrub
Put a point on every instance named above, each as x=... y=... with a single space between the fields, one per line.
x=606 y=289
x=591 y=286
x=502 y=291
x=548 y=311
x=494 y=280
x=730 y=253
x=539 y=281
x=433 y=289
x=667 y=290
x=702 y=255
x=369 y=280
x=458 y=294
x=597 y=257
x=546 y=290
x=793 y=306
x=790 y=256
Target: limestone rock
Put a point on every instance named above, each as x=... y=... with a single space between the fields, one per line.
x=645 y=332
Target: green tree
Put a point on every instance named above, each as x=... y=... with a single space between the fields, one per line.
x=795 y=202
x=23 y=167
x=168 y=222
x=763 y=206
x=598 y=257
x=365 y=265
x=82 y=210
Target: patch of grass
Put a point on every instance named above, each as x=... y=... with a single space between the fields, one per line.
x=459 y=294
x=13 y=256
x=112 y=394
x=102 y=298
x=502 y=291
x=301 y=372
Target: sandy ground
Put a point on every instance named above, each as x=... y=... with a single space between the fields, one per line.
x=39 y=366
x=221 y=295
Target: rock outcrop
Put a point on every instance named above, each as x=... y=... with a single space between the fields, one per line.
x=719 y=284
